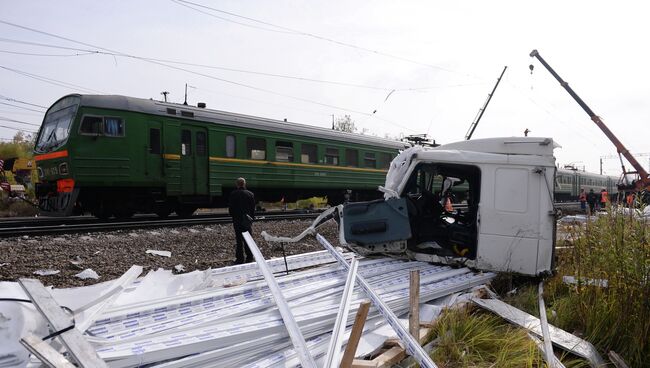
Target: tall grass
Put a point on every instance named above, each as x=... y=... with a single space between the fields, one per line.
x=467 y=339
x=614 y=247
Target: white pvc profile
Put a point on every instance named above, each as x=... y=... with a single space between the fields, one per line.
x=548 y=346
x=332 y=359
x=292 y=327
x=412 y=346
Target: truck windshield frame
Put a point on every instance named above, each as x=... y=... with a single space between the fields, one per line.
x=55 y=129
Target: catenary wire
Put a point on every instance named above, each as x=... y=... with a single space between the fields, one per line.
x=18 y=121
x=49 y=80
x=118 y=53
x=21 y=102
x=327 y=39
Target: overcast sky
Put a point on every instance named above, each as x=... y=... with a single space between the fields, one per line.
x=441 y=58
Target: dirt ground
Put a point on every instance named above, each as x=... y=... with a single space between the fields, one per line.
x=110 y=254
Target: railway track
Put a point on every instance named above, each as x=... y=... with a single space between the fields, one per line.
x=79 y=224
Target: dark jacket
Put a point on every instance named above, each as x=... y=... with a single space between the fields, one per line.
x=591 y=197
x=241 y=203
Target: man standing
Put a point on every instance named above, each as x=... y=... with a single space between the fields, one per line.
x=583 y=200
x=241 y=207
x=591 y=200
x=604 y=198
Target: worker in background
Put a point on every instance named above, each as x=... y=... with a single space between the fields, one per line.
x=583 y=200
x=604 y=198
x=241 y=207
x=592 y=198
x=630 y=199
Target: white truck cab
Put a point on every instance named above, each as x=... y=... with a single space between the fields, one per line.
x=484 y=203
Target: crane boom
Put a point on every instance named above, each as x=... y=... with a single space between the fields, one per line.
x=620 y=148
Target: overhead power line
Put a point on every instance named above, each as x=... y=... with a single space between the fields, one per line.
x=18 y=121
x=119 y=53
x=50 y=80
x=19 y=129
x=48 y=55
x=20 y=107
x=315 y=36
x=21 y=102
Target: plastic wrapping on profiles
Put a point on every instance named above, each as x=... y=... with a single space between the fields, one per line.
x=412 y=346
x=297 y=339
x=225 y=339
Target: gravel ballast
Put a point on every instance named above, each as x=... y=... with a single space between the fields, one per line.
x=110 y=254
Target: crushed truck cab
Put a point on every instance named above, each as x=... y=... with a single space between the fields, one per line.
x=485 y=204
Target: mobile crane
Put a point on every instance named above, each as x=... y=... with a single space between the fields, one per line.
x=642 y=181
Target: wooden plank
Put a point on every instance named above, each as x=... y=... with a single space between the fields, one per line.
x=46 y=353
x=77 y=346
x=391 y=357
x=358 y=363
x=414 y=303
x=355 y=334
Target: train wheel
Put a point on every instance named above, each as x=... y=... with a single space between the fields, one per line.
x=185 y=211
x=163 y=212
x=124 y=213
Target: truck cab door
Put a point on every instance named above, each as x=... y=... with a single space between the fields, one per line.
x=377 y=226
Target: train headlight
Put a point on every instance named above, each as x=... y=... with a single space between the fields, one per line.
x=64 y=185
x=63 y=168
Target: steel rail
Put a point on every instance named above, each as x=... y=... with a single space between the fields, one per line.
x=121 y=225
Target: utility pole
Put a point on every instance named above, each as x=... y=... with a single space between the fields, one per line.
x=165 y=93
x=472 y=126
x=185 y=102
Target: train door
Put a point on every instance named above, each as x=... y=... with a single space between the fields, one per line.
x=194 y=160
x=154 y=158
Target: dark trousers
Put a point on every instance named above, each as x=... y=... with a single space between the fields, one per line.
x=241 y=244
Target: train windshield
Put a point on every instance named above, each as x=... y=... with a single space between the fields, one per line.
x=56 y=125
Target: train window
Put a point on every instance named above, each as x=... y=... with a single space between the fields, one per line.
x=283 y=151
x=384 y=160
x=351 y=157
x=91 y=125
x=230 y=146
x=331 y=156
x=154 y=141
x=186 y=142
x=308 y=154
x=369 y=160
x=201 y=146
x=114 y=127
x=256 y=148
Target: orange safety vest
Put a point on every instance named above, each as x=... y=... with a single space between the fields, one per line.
x=630 y=199
x=604 y=197
x=583 y=197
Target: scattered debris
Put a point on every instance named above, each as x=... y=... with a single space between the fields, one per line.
x=193 y=230
x=4 y=264
x=559 y=337
x=174 y=231
x=85 y=238
x=155 y=233
x=162 y=253
x=88 y=273
x=572 y=280
x=179 y=268
x=133 y=235
x=46 y=272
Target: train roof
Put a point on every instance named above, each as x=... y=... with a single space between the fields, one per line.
x=585 y=173
x=117 y=102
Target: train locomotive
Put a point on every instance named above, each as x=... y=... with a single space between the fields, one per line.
x=115 y=156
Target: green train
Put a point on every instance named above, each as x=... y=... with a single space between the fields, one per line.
x=116 y=156
x=569 y=182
